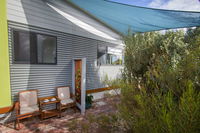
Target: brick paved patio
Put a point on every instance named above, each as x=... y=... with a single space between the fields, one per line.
x=60 y=125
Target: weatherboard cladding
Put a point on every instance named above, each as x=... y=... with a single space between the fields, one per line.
x=46 y=78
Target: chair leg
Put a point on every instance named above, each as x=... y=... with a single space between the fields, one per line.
x=17 y=124
x=60 y=113
x=74 y=108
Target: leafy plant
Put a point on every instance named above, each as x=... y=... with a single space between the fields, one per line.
x=160 y=90
x=89 y=101
x=160 y=85
x=78 y=85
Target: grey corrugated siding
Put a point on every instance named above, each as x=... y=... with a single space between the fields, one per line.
x=38 y=13
x=41 y=18
x=46 y=78
x=42 y=77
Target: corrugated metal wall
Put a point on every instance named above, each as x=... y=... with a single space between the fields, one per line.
x=38 y=13
x=46 y=77
x=72 y=42
x=42 y=77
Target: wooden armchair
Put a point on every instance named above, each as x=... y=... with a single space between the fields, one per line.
x=27 y=106
x=67 y=99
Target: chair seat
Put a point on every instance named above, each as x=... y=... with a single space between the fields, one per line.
x=29 y=109
x=66 y=101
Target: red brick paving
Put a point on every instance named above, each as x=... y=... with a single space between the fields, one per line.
x=56 y=125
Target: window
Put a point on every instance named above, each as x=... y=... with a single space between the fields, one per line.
x=114 y=59
x=34 y=48
x=46 y=49
x=101 y=55
x=22 y=46
x=109 y=56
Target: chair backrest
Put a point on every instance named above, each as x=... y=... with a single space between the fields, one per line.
x=63 y=92
x=28 y=98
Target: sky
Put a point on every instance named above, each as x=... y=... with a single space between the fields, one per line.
x=183 y=5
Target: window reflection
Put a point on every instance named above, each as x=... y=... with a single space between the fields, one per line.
x=109 y=56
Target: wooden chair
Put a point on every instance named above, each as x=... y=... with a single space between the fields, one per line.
x=67 y=99
x=27 y=106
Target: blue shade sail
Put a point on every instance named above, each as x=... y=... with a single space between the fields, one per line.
x=122 y=17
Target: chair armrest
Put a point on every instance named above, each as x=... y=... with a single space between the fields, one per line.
x=57 y=98
x=72 y=96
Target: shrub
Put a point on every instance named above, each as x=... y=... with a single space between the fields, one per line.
x=157 y=112
x=160 y=84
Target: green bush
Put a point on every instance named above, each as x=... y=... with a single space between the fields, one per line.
x=156 y=112
x=160 y=85
x=160 y=90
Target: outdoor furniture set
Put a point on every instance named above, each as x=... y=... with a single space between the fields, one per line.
x=30 y=105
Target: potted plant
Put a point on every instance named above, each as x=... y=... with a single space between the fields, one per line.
x=89 y=101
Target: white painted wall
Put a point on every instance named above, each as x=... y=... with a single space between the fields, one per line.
x=111 y=71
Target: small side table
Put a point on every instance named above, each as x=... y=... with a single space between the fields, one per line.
x=49 y=113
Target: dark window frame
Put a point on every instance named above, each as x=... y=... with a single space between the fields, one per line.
x=31 y=43
x=13 y=48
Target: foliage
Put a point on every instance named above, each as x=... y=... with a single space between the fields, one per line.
x=161 y=82
x=157 y=112
x=78 y=85
x=89 y=101
x=160 y=85
x=160 y=89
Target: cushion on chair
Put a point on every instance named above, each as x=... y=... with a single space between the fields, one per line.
x=28 y=98
x=66 y=101
x=29 y=109
x=63 y=93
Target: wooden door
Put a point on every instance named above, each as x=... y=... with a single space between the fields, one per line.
x=78 y=76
